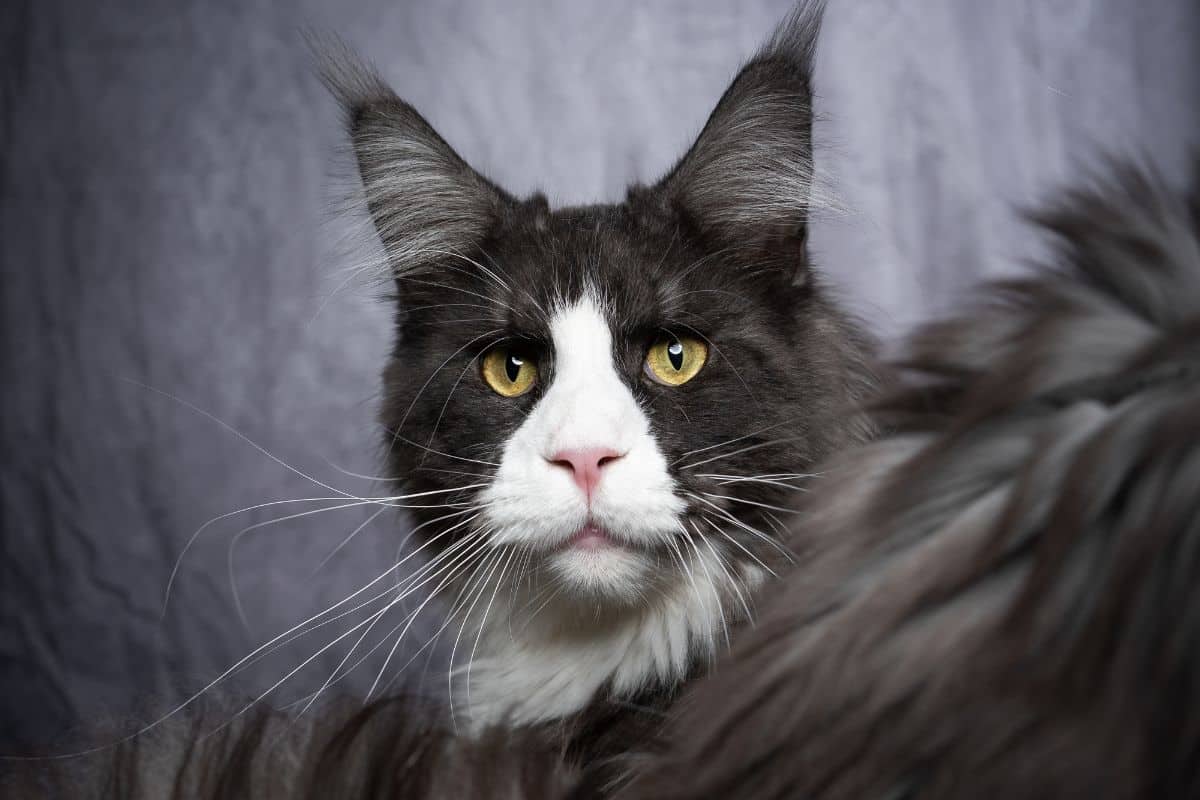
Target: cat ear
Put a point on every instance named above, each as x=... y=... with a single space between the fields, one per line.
x=746 y=183
x=426 y=203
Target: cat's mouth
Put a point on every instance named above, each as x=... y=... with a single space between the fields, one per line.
x=591 y=537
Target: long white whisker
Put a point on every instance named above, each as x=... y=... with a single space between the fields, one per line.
x=411 y=617
x=467 y=560
x=733 y=581
x=442 y=562
x=740 y=546
x=432 y=375
x=438 y=422
x=231 y=554
x=397 y=437
x=347 y=539
x=754 y=503
x=729 y=441
x=483 y=621
x=451 y=616
x=341 y=496
x=191 y=539
x=739 y=451
x=711 y=582
x=726 y=515
x=493 y=562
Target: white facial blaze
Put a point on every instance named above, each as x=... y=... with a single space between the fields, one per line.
x=544 y=662
x=535 y=502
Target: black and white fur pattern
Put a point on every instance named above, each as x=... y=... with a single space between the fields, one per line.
x=694 y=504
x=997 y=598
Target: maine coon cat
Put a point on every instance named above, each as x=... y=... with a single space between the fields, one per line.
x=994 y=598
x=617 y=406
x=609 y=412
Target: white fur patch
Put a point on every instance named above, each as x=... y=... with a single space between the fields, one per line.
x=537 y=503
x=615 y=615
x=550 y=665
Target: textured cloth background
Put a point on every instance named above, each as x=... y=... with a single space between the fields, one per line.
x=165 y=229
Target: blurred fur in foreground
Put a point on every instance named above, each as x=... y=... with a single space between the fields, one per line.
x=999 y=598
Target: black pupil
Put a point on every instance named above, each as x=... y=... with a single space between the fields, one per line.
x=512 y=367
x=675 y=354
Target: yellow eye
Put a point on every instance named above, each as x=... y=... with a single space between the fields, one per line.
x=675 y=360
x=509 y=372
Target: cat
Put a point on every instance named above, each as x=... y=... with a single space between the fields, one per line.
x=994 y=598
x=611 y=410
x=615 y=405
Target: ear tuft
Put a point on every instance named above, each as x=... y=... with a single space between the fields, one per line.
x=427 y=204
x=747 y=182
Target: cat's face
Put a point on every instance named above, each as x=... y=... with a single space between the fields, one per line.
x=649 y=377
x=624 y=397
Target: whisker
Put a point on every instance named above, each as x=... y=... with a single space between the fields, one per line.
x=483 y=622
x=451 y=616
x=733 y=582
x=398 y=437
x=239 y=435
x=195 y=535
x=740 y=546
x=333 y=676
x=555 y=589
x=726 y=515
x=444 y=561
x=300 y=630
x=739 y=451
x=729 y=441
x=777 y=483
x=445 y=404
x=429 y=380
x=755 y=503
x=231 y=554
x=492 y=563
x=708 y=576
x=453 y=288
x=468 y=562
x=346 y=541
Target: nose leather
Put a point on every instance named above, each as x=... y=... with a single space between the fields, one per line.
x=586 y=465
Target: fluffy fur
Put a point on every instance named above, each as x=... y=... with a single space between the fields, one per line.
x=997 y=599
x=703 y=475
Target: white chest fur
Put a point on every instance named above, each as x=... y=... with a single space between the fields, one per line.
x=552 y=664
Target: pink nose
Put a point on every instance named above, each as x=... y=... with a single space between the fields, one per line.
x=585 y=465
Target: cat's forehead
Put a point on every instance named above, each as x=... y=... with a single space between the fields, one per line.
x=606 y=253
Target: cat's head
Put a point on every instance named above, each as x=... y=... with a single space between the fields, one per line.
x=622 y=397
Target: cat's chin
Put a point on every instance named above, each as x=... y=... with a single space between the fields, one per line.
x=594 y=568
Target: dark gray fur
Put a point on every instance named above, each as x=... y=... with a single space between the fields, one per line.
x=999 y=598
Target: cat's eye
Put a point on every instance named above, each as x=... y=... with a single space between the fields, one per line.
x=675 y=360
x=508 y=371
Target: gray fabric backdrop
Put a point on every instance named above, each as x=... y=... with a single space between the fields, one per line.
x=164 y=223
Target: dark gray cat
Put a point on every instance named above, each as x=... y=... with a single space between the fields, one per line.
x=996 y=598
x=612 y=409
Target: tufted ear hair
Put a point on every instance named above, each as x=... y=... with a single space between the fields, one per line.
x=425 y=201
x=746 y=185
